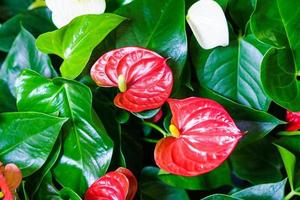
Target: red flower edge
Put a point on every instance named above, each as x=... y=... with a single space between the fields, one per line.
x=143 y=77
x=204 y=135
x=293 y=119
x=120 y=184
x=10 y=179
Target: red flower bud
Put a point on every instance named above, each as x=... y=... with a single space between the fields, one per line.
x=204 y=135
x=117 y=185
x=143 y=77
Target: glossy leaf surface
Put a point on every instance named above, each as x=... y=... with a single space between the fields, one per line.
x=120 y=184
x=24 y=55
x=76 y=41
x=147 y=79
x=293 y=119
x=152 y=26
x=87 y=148
x=284 y=60
x=233 y=71
x=270 y=191
x=31 y=145
x=206 y=137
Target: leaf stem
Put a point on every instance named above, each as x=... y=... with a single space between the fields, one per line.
x=289 y=195
x=165 y=134
x=150 y=140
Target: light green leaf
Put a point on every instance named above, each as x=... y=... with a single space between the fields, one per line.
x=76 y=41
x=27 y=139
x=220 y=197
x=87 y=149
x=289 y=161
x=152 y=26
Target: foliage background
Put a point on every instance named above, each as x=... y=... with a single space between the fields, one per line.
x=64 y=133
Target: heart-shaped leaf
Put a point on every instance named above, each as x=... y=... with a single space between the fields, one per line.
x=233 y=71
x=120 y=184
x=27 y=139
x=142 y=76
x=204 y=136
x=76 y=41
x=282 y=31
x=158 y=30
x=87 y=149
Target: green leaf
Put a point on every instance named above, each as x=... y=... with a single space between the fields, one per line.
x=152 y=188
x=270 y=191
x=220 y=197
x=256 y=124
x=67 y=193
x=87 y=149
x=233 y=71
x=282 y=84
x=282 y=31
x=36 y=22
x=76 y=41
x=34 y=181
x=289 y=161
x=9 y=8
x=152 y=26
x=147 y=114
x=221 y=176
x=257 y=163
x=27 y=139
x=23 y=55
x=48 y=191
x=240 y=12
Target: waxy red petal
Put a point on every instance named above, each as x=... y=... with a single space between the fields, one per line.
x=118 y=185
x=148 y=78
x=5 y=189
x=293 y=119
x=207 y=137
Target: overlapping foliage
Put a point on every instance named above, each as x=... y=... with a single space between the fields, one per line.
x=64 y=132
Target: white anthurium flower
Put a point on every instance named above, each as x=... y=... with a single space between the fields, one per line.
x=63 y=11
x=208 y=23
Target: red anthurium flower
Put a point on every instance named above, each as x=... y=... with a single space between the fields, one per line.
x=10 y=179
x=203 y=133
x=143 y=77
x=293 y=119
x=117 y=185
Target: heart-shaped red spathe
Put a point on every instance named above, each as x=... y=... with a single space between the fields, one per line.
x=293 y=119
x=204 y=136
x=147 y=78
x=117 y=185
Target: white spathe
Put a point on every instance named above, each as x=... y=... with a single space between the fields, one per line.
x=63 y=11
x=208 y=23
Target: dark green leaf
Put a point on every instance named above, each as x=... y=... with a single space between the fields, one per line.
x=36 y=22
x=256 y=124
x=67 y=193
x=76 y=41
x=220 y=197
x=8 y=8
x=212 y=180
x=24 y=55
x=147 y=114
x=86 y=147
x=257 y=163
x=270 y=191
x=289 y=161
x=233 y=71
x=27 y=139
x=277 y=23
x=154 y=189
x=48 y=191
x=240 y=11
x=152 y=26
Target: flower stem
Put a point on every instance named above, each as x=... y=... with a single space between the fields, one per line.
x=150 y=140
x=165 y=134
